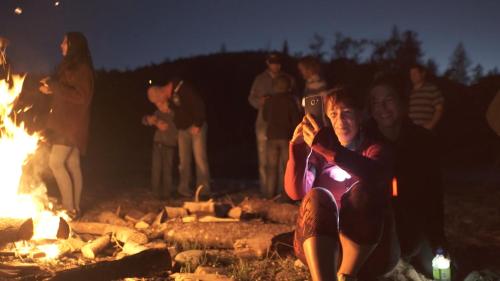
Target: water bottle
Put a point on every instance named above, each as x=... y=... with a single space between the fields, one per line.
x=441 y=267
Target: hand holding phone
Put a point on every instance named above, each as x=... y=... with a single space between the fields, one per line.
x=313 y=105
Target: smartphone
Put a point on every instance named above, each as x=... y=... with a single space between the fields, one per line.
x=314 y=106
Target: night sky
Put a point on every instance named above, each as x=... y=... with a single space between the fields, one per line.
x=125 y=34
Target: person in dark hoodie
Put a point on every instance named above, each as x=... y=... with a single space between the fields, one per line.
x=190 y=120
x=282 y=115
x=72 y=88
x=418 y=191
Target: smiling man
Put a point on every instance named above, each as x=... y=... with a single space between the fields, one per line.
x=418 y=207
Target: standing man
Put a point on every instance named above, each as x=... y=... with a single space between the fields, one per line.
x=190 y=121
x=426 y=102
x=262 y=88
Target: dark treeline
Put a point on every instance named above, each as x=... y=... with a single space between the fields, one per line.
x=119 y=144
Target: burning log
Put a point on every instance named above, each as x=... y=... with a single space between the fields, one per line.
x=220 y=235
x=276 y=212
x=142 y=264
x=63 y=231
x=123 y=234
x=12 y=230
x=91 y=249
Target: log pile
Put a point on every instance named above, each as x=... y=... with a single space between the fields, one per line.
x=139 y=244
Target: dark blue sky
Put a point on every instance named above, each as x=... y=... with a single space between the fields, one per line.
x=131 y=33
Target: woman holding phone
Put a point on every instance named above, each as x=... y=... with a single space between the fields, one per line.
x=71 y=88
x=345 y=226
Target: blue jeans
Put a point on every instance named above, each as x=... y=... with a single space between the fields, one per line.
x=64 y=161
x=189 y=143
x=162 y=169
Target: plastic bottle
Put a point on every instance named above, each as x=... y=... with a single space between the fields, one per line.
x=441 y=267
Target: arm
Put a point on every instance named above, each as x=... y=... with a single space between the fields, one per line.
x=255 y=94
x=265 y=110
x=78 y=89
x=375 y=167
x=438 y=110
x=197 y=107
x=299 y=178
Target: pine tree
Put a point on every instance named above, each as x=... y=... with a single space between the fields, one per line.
x=285 y=50
x=477 y=73
x=223 y=48
x=409 y=51
x=431 y=67
x=346 y=47
x=458 y=68
x=316 y=46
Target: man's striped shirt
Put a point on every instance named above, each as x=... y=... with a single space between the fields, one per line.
x=423 y=103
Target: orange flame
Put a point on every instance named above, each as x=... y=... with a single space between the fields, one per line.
x=16 y=147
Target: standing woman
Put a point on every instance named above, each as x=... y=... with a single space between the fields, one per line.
x=72 y=88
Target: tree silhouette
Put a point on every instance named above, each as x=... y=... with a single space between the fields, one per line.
x=346 y=47
x=285 y=49
x=223 y=48
x=432 y=67
x=316 y=46
x=458 y=69
x=409 y=51
x=477 y=73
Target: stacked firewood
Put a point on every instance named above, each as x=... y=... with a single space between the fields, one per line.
x=130 y=243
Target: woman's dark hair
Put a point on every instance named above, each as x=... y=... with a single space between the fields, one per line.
x=346 y=95
x=391 y=82
x=78 y=51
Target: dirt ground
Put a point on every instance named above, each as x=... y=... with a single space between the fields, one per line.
x=472 y=223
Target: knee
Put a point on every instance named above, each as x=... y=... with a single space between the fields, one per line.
x=320 y=196
x=56 y=163
x=319 y=202
x=73 y=163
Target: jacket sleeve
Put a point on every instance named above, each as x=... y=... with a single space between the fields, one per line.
x=300 y=173
x=197 y=109
x=78 y=88
x=375 y=166
x=255 y=93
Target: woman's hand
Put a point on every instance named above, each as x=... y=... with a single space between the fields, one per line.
x=297 y=134
x=310 y=129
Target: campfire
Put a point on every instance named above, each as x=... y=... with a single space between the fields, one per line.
x=39 y=243
x=25 y=211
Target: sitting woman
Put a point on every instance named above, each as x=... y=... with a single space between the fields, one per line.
x=345 y=227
